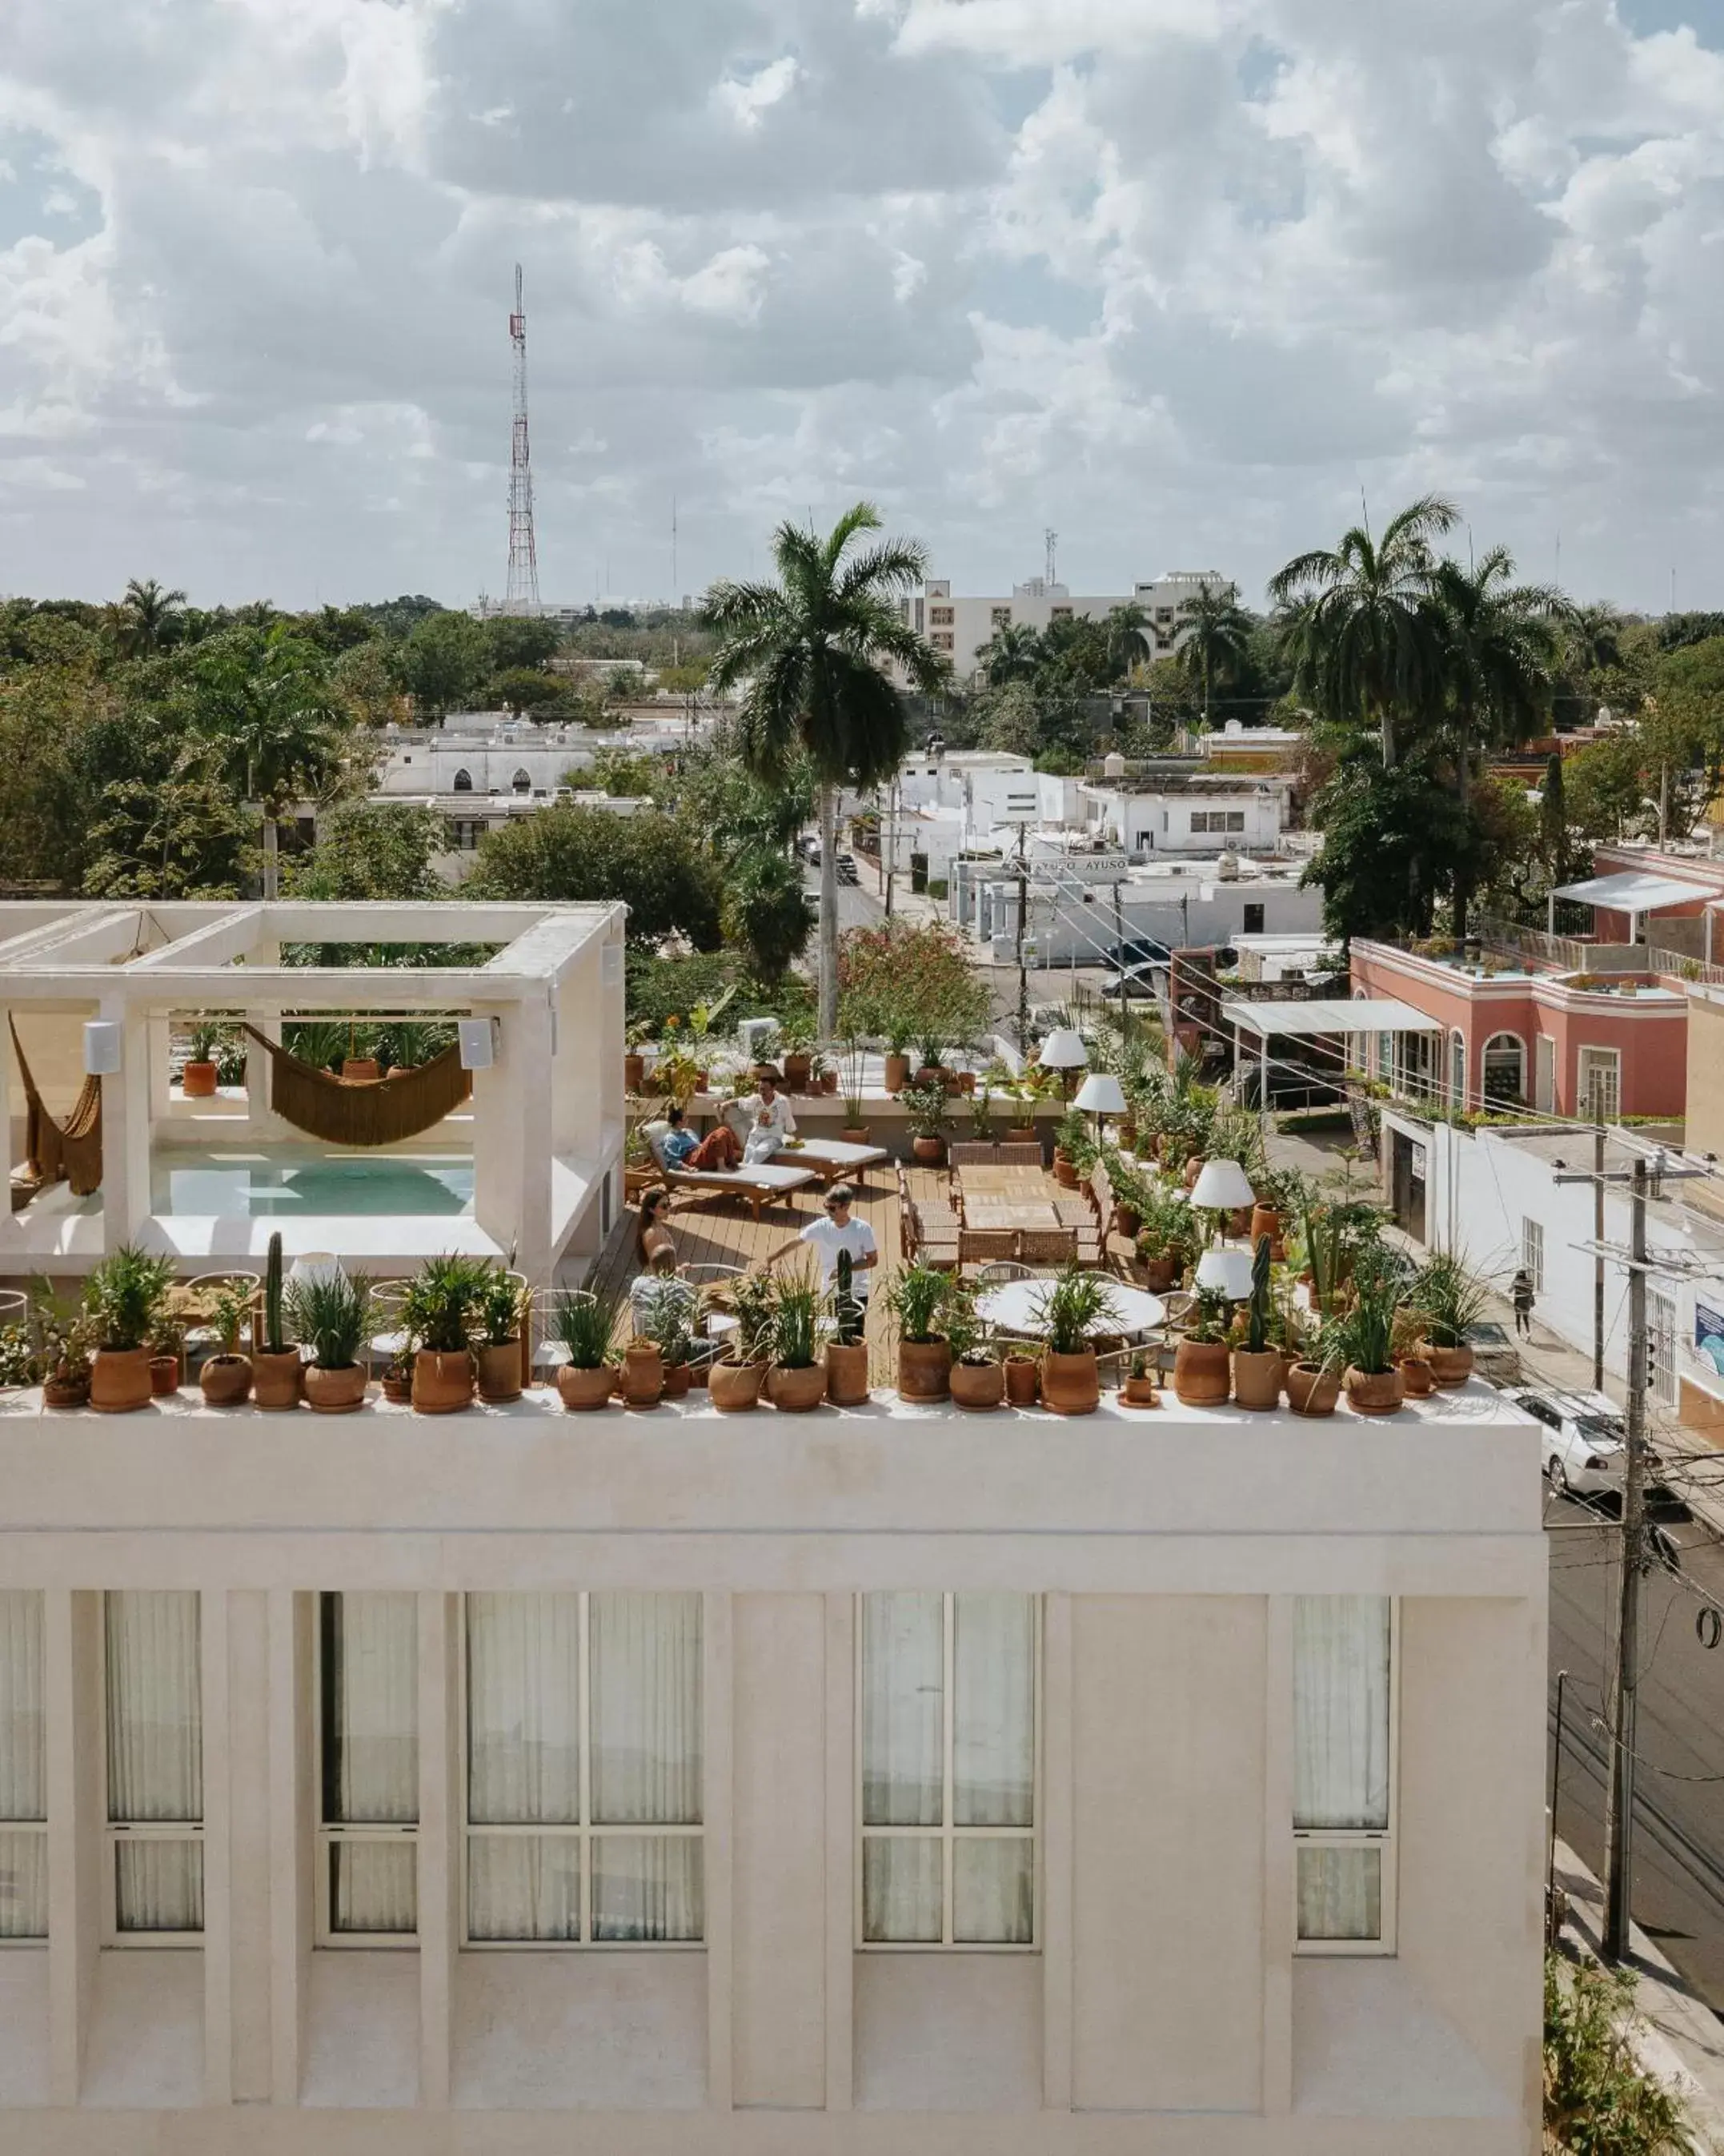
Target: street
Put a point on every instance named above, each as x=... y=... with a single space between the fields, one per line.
x=1679 y=1834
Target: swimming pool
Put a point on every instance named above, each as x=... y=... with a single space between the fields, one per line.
x=229 y=1184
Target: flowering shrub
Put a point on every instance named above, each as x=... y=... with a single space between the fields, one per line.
x=910 y=981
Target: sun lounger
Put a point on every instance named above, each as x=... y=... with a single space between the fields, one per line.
x=761 y=1183
x=831 y=1157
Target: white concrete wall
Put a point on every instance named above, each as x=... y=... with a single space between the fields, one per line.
x=1146 y=822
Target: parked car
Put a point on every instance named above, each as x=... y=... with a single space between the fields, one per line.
x=847 y=868
x=1585 y=1441
x=1137 y=951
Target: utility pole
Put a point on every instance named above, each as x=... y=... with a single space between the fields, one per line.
x=1022 y=970
x=891 y=844
x=1598 y=1257
x=1119 y=946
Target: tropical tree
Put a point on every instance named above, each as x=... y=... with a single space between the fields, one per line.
x=1129 y=637
x=647 y=860
x=1215 y=639
x=767 y=913
x=1358 y=623
x=1012 y=654
x=814 y=649
x=147 y=617
x=444 y=660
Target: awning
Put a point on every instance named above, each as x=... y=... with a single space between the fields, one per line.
x=1634 y=891
x=1330 y=1015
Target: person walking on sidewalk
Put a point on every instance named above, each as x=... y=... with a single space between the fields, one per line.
x=1521 y=1298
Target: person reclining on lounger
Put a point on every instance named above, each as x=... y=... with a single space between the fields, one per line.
x=720 y=1149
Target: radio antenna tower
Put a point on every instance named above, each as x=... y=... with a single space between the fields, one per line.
x=521 y=594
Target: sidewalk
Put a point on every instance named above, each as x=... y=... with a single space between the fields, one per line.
x=1679 y=2042
x=907 y=904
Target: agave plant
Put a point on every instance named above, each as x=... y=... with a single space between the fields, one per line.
x=328 y=1313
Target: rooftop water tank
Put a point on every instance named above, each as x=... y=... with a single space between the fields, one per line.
x=1227 y=868
x=1113 y=764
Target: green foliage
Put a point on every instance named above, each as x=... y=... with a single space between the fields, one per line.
x=1257 y=1313
x=1207 y=1323
x=1073 y=1308
x=168 y=838
x=371 y=849
x=754 y=1298
x=442 y=1303
x=1368 y=1327
x=522 y=641
x=925 y=1106
x=123 y=1297
x=1597 y=2101
x=847 y=1311
x=274 y=1339
x=768 y=914
x=586 y=1325
x=523 y=689
x=498 y=1309
x=905 y=981
x=328 y=1313
x=443 y=662
x=1453 y=1299
x=796 y=1323
x=916 y=1296
x=645 y=860
x=621 y=774
x=1390 y=840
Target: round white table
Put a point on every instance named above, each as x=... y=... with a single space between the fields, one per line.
x=1015 y=1306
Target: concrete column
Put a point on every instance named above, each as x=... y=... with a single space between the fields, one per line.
x=292 y=1635
x=157 y=1032
x=840 y=1851
x=12 y=1108
x=718 y=1690
x=512 y=1136
x=1278 y=1860
x=217 y=1853
x=1056 y=1842
x=76 y=1885
x=126 y=1128
x=439 y=1849
x=248 y=1792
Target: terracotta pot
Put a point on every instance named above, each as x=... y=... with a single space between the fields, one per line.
x=977 y=1385
x=500 y=1372
x=164 y=1374
x=796 y=1072
x=643 y=1375
x=197 y=1081
x=1417 y=1379
x=1064 y=1174
x=1023 y=1381
x=854 y=1134
x=443 y=1383
x=828 y=1081
x=636 y=1179
x=924 y=1369
x=1312 y=1390
x=1140 y=1392
x=703 y=1079
x=583 y=1390
x=1265 y=1220
x=846 y=1374
x=966 y=1081
x=1201 y=1372
x=1257 y=1378
x=927 y=1152
x=1451 y=1366
x=398 y=1386
x=1239 y=1223
x=897 y=1073
x=277 y=1381
x=1127 y=1221
x=735 y=1386
x=119 y=1379
x=362 y=1066
x=56 y=1395
x=1021 y=1134
x=679 y=1377
x=935 y=1073
x=226 y=1380
x=335 y=1392
x=1159 y=1274
x=1071 y=1385
x=634 y=1071
x=1374 y=1392
x=1194 y=1169
x=794 y=1392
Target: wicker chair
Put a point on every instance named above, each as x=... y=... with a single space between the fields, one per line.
x=1018 y=1152
x=1048 y=1246
x=981 y=1246
x=1000 y=1271
x=972 y=1153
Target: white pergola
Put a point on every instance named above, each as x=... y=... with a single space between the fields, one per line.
x=1636 y=892
x=1322 y=1017
x=545 y=1120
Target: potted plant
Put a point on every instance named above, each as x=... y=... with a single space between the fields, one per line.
x=925 y=1103
x=500 y=1308
x=328 y=1312
x=226 y=1375
x=1374 y=1384
x=1139 y=1390
x=634 y=1062
x=62 y=1339
x=1257 y=1366
x=855 y=1130
x=398 y=1376
x=1073 y=1150
x=1167 y=1238
x=1202 y=1373
x=797 y=1040
x=735 y=1383
x=1023 y=1132
x=277 y=1372
x=1417 y=1379
x=977 y=1376
x=124 y=1297
x=797 y=1378
x=199 y=1073
x=360 y=1061
x=917 y=1299
x=981 y=1114
x=166 y=1349
x=1073 y=1309
x=1130 y=1198
x=665 y=1319
x=847 y=1350
x=1023 y=1376
x=643 y=1372
x=899 y=1032
x=588 y=1377
x=438 y=1311
x=1453 y=1301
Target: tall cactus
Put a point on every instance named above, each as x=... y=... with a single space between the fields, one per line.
x=847 y=1312
x=1257 y=1338
x=273 y=1344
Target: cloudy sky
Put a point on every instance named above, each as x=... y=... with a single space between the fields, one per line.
x=1179 y=278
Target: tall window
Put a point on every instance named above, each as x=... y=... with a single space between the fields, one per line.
x=24 y=1769
x=1599 y=1084
x=368 y=1767
x=1457 y=1070
x=522 y=781
x=583 y=1770
x=948 y=1769
x=1344 y=1772
x=1532 y=1250
x=1505 y=1068
x=463 y=783
x=153 y=1679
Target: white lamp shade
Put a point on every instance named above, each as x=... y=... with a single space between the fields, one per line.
x=314 y=1266
x=1221 y=1187
x=1063 y=1049
x=1100 y=1094
x=1228 y=1269
x=102 y=1047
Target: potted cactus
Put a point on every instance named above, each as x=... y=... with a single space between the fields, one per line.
x=847 y=1350
x=1201 y=1366
x=226 y=1375
x=1139 y=1390
x=735 y=1383
x=584 y=1324
x=199 y=1072
x=123 y=1299
x=1073 y=1309
x=438 y=1312
x=328 y=1312
x=500 y=1309
x=917 y=1299
x=796 y=1380
x=1257 y=1365
x=277 y=1371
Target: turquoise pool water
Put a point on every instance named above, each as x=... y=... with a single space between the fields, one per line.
x=231 y=1184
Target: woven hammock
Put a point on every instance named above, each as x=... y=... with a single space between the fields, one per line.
x=363 y=1111
x=70 y=1151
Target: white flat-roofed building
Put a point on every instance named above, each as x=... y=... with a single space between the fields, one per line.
x=961 y=628
x=887 y=1780
x=1201 y=812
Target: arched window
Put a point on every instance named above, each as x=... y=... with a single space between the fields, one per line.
x=522 y=781
x=1457 y=1069
x=1505 y=1067
x=463 y=781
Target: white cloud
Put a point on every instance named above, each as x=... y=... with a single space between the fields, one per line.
x=747 y=100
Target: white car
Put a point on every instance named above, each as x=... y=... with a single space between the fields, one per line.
x=1585 y=1441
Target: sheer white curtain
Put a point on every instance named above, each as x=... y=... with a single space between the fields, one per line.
x=994 y=1765
x=370 y=1757
x=524 y=1764
x=648 y=1752
x=1341 y=1759
x=24 y=1775
x=155 y=1730
x=903 y=1763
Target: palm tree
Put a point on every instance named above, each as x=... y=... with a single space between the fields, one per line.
x=144 y=616
x=1357 y=621
x=1012 y=654
x=1214 y=638
x=1129 y=635
x=267 y=720
x=813 y=649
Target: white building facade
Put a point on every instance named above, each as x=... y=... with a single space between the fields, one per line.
x=1194 y=816
x=961 y=628
x=741 y=1787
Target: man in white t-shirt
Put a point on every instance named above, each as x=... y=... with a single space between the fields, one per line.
x=775 y=1106
x=840 y=1230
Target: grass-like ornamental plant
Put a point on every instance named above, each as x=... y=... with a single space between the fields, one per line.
x=124 y=1295
x=328 y=1313
x=442 y=1303
x=1453 y=1299
x=1369 y=1326
x=917 y=1298
x=796 y=1324
x=500 y=1307
x=1076 y=1305
x=585 y=1325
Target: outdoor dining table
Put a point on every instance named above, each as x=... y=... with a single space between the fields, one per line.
x=1015 y=1307
x=1036 y=1215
